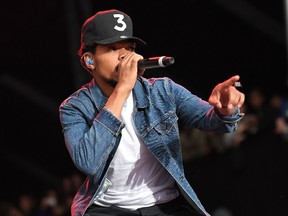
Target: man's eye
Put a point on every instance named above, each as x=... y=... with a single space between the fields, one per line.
x=112 y=48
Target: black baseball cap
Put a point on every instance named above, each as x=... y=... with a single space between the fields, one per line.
x=109 y=26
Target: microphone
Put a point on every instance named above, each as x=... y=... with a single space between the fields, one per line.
x=155 y=62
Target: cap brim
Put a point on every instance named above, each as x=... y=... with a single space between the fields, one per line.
x=120 y=38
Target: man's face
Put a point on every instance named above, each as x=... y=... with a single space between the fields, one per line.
x=107 y=58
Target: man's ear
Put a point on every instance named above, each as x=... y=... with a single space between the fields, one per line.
x=88 y=60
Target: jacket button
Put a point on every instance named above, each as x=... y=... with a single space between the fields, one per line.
x=163 y=126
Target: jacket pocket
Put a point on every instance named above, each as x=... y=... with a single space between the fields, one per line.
x=166 y=123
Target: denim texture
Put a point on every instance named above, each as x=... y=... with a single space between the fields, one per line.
x=92 y=133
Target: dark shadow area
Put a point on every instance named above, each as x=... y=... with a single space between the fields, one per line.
x=210 y=41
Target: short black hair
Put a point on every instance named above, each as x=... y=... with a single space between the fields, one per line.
x=87 y=48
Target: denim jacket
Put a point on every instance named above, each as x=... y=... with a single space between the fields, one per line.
x=92 y=133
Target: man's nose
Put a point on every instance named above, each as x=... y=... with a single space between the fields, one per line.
x=123 y=53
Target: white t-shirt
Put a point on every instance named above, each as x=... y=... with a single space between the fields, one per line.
x=135 y=177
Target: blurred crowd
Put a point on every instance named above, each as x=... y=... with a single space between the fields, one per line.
x=54 y=201
x=265 y=116
x=244 y=173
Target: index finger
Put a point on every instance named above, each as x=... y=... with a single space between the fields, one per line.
x=231 y=81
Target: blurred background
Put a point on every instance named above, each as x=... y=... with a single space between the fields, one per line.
x=241 y=174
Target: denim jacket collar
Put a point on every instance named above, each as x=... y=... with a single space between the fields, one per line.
x=141 y=96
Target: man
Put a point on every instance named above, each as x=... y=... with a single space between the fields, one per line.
x=121 y=129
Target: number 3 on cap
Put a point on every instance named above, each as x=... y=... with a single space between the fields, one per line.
x=120 y=21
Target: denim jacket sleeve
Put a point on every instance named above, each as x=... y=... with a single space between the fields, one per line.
x=196 y=112
x=90 y=134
